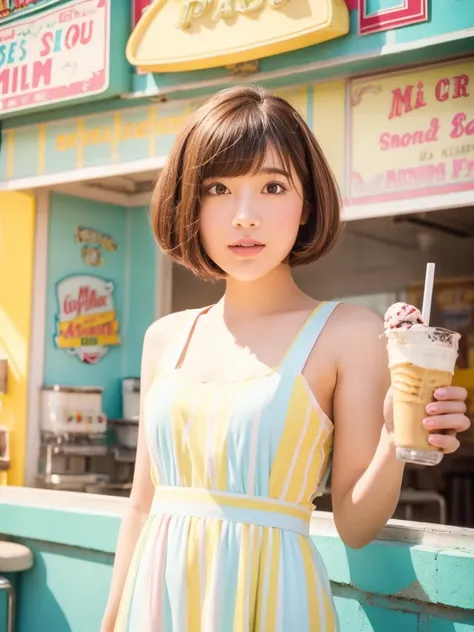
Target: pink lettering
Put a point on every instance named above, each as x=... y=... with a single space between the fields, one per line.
x=402 y=102
x=442 y=90
x=47 y=44
x=461 y=126
x=87 y=300
x=453 y=88
x=463 y=168
x=26 y=77
x=420 y=96
x=389 y=140
x=72 y=36
x=458 y=166
x=42 y=73
x=461 y=83
x=415 y=176
x=86 y=32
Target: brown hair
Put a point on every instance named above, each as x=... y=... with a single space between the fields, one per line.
x=229 y=136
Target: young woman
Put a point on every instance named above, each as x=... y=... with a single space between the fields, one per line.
x=245 y=403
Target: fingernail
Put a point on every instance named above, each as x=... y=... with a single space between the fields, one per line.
x=428 y=423
x=432 y=440
x=431 y=409
x=440 y=392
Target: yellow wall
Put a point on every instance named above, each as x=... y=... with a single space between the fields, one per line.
x=329 y=124
x=17 y=234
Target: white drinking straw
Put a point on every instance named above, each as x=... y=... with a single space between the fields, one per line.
x=428 y=292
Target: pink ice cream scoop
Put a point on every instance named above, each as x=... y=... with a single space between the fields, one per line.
x=402 y=316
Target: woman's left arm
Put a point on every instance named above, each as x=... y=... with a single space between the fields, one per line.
x=367 y=476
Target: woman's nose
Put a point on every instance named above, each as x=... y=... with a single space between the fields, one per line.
x=246 y=215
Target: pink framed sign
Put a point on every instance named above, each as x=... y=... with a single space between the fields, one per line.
x=403 y=13
x=58 y=55
x=409 y=133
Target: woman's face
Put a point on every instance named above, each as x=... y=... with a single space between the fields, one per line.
x=249 y=224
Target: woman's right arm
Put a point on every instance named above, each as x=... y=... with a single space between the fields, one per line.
x=142 y=489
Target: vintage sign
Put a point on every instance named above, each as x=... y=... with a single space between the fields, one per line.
x=411 y=133
x=139 y=7
x=189 y=34
x=86 y=321
x=58 y=55
x=95 y=242
x=398 y=14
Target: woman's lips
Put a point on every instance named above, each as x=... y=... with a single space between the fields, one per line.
x=247 y=251
x=246 y=247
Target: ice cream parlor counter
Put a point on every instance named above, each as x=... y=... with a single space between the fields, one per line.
x=414 y=578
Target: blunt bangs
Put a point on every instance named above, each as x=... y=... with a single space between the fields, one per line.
x=238 y=147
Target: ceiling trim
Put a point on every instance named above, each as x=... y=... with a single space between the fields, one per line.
x=409 y=206
x=82 y=190
x=80 y=175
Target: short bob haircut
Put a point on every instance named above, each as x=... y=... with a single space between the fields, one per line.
x=227 y=137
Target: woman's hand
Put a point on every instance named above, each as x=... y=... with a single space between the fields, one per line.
x=445 y=417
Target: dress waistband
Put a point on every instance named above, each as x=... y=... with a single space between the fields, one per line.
x=257 y=510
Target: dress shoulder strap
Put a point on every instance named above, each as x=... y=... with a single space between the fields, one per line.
x=179 y=339
x=300 y=350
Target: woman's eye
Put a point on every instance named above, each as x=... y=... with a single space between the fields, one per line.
x=218 y=189
x=274 y=188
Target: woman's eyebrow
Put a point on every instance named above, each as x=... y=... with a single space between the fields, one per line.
x=275 y=170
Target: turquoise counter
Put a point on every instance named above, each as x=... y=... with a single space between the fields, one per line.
x=414 y=578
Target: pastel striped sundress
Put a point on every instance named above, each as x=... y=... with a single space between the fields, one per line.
x=236 y=466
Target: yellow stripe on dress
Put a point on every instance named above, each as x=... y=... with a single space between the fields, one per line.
x=228 y=402
x=297 y=421
x=247 y=578
x=194 y=589
x=212 y=548
x=245 y=559
x=300 y=445
x=154 y=476
x=313 y=587
x=185 y=401
x=301 y=479
x=256 y=534
x=216 y=421
x=263 y=581
x=197 y=431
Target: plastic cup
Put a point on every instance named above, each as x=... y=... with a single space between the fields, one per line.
x=421 y=359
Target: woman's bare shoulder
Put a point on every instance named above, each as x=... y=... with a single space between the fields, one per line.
x=356 y=333
x=349 y=318
x=166 y=325
x=159 y=335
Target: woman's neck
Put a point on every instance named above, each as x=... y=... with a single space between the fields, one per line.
x=273 y=293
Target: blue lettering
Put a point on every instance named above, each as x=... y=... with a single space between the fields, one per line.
x=12 y=53
x=23 y=50
x=57 y=40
